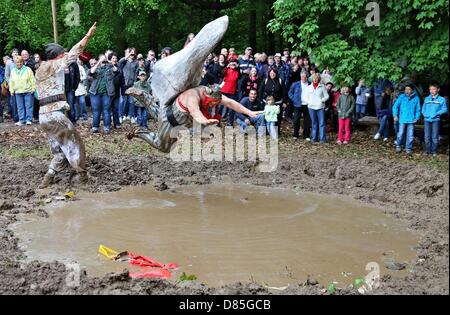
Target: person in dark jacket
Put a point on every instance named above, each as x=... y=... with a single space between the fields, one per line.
x=215 y=71
x=71 y=81
x=252 y=82
x=253 y=104
x=273 y=86
x=128 y=67
x=101 y=92
x=118 y=82
x=384 y=113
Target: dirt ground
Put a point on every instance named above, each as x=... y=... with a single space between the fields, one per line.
x=414 y=190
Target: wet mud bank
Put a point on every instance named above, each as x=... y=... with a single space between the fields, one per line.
x=417 y=196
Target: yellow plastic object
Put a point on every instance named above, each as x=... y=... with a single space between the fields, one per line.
x=69 y=195
x=108 y=252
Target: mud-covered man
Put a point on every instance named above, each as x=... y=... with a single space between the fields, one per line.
x=66 y=145
x=197 y=104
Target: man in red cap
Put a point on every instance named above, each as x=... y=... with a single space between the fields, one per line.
x=65 y=142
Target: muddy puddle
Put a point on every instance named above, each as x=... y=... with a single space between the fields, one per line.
x=222 y=234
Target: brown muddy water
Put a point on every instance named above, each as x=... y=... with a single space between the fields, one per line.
x=222 y=234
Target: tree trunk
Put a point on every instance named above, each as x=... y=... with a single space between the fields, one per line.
x=252 y=26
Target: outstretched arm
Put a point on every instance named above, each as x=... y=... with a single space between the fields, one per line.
x=237 y=107
x=76 y=50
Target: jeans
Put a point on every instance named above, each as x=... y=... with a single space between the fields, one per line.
x=115 y=107
x=407 y=129
x=258 y=122
x=35 y=108
x=80 y=102
x=25 y=103
x=384 y=126
x=272 y=128
x=431 y=136
x=318 y=122
x=101 y=105
x=142 y=117
x=344 y=129
x=225 y=110
x=73 y=109
x=300 y=112
x=361 y=110
x=12 y=107
x=127 y=107
x=403 y=139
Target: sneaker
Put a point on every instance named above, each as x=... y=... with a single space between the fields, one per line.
x=346 y=142
x=308 y=139
x=106 y=131
x=377 y=136
x=29 y=123
x=121 y=119
x=409 y=153
x=435 y=155
x=19 y=123
x=385 y=139
x=94 y=130
x=398 y=150
x=295 y=138
x=339 y=142
x=133 y=120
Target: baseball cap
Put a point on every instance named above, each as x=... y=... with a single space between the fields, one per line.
x=278 y=55
x=249 y=48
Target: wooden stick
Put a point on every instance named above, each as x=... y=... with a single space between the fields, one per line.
x=55 y=26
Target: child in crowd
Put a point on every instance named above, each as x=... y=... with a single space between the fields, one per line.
x=434 y=107
x=362 y=97
x=142 y=112
x=406 y=112
x=271 y=112
x=345 y=106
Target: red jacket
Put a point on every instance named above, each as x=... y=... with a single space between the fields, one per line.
x=230 y=79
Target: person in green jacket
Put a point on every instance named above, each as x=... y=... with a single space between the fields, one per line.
x=345 y=106
x=271 y=111
x=143 y=86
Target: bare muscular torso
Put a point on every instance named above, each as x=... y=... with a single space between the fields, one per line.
x=189 y=97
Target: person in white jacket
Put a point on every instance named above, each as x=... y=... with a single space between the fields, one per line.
x=316 y=96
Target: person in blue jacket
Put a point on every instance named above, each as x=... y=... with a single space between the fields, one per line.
x=406 y=111
x=434 y=107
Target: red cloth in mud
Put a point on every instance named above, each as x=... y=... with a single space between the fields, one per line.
x=150 y=268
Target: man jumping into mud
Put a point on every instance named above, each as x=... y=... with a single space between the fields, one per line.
x=197 y=104
x=65 y=142
x=175 y=83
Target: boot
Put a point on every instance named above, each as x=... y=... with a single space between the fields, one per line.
x=48 y=180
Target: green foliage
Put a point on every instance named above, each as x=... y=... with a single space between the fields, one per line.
x=184 y=277
x=412 y=37
x=143 y=24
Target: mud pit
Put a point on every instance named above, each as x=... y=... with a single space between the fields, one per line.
x=223 y=234
x=408 y=190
